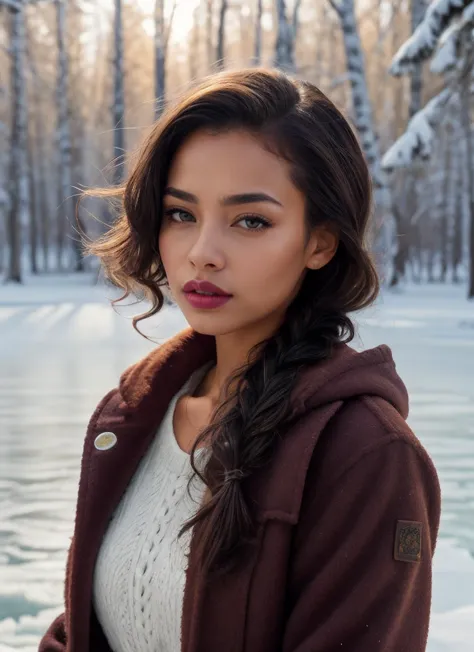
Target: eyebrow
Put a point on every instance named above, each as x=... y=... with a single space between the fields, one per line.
x=230 y=200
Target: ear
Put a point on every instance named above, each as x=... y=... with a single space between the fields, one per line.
x=322 y=246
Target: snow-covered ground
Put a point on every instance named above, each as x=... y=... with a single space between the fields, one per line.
x=62 y=347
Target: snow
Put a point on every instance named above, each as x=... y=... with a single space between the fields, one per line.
x=418 y=138
x=468 y=14
x=445 y=57
x=65 y=327
x=424 y=39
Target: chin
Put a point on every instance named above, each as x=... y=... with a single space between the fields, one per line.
x=211 y=322
x=210 y=326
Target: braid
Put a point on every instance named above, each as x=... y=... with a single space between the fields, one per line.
x=246 y=427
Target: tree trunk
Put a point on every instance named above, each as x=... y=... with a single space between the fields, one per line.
x=160 y=81
x=33 y=206
x=403 y=221
x=364 y=123
x=118 y=110
x=284 y=45
x=457 y=217
x=445 y=213
x=457 y=240
x=38 y=182
x=418 y=8
x=465 y=80
x=193 y=49
x=295 y=23
x=416 y=256
x=321 y=45
x=43 y=205
x=209 y=34
x=18 y=161
x=257 y=55
x=221 y=34
x=430 y=262
x=3 y=183
x=66 y=204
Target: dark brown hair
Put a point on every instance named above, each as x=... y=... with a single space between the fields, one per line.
x=294 y=119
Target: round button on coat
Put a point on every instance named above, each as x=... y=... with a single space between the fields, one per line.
x=105 y=440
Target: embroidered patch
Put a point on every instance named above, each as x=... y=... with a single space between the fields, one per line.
x=408 y=541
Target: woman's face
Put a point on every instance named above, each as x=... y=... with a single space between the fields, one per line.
x=233 y=217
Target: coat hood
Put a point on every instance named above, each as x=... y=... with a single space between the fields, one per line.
x=349 y=374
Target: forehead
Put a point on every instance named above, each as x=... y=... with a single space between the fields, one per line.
x=229 y=161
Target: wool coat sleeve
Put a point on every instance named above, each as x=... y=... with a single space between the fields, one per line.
x=54 y=639
x=348 y=591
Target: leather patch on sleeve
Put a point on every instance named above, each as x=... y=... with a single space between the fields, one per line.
x=408 y=541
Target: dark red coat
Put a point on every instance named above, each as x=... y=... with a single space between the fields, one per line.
x=348 y=515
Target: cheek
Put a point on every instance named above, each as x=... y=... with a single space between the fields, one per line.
x=274 y=268
x=168 y=251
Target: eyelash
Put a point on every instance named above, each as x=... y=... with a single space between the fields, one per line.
x=265 y=224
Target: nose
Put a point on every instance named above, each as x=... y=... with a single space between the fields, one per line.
x=207 y=251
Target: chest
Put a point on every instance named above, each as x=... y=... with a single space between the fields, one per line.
x=242 y=612
x=139 y=573
x=191 y=415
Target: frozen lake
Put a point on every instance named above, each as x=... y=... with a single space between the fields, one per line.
x=62 y=347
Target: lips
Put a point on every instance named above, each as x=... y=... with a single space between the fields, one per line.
x=205 y=288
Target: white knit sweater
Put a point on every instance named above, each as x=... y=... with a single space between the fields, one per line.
x=139 y=575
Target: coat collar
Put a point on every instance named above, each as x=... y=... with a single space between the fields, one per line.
x=174 y=361
x=147 y=387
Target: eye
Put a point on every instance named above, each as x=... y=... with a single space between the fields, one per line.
x=254 y=223
x=178 y=215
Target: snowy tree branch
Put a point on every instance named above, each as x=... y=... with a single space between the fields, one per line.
x=447 y=53
x=424 y=39
x=418 y=138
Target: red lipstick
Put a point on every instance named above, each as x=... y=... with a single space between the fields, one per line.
x=202 y=294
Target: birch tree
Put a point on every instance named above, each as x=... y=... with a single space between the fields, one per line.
x=221 y=34
x=194 y=41
x=33 y=167
x=162 y=33
x=465 y=92
x=18 y=172
x=65 y=199
x=363 y=119
x=209 y=33
x=257 y=53
x=446 y=27
x=404 y=217
x=39 y=206
x=285 y=44
x=4 y=200
x=118 y=110
x=160 y=71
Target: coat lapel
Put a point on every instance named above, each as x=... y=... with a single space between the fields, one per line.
x=133 y=412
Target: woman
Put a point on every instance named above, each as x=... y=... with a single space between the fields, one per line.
x=252 y=484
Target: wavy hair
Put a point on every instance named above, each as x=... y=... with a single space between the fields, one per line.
x=295 y=120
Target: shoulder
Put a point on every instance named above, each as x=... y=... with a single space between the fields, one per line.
x=363 y=424
x=369 y=443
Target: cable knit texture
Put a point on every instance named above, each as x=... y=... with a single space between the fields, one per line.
x=139 y=575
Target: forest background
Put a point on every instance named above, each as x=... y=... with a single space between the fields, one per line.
x=82 y=82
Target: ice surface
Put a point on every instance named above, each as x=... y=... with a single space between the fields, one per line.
x=62 y=347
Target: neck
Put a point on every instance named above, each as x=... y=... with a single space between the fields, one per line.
x=232 y=351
